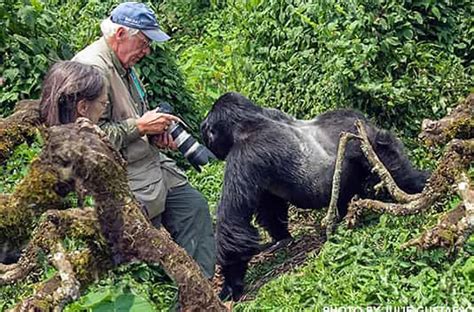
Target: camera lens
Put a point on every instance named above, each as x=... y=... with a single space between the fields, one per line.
x=194 y=152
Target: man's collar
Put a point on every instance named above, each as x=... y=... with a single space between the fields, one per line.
x=121 y=70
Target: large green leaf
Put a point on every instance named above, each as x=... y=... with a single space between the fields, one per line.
x=95 y=298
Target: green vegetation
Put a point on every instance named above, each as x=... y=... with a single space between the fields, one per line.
x=17 y=165
x=397 y=61
x=209 y=182
x=129 y=288
x=365 y=267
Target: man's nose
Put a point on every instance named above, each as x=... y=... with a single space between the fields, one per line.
x=147 y=51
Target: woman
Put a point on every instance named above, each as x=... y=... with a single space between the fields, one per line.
x=72 y=90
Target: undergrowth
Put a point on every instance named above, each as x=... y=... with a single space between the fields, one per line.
x=131 y=287
x=397 y=61
x=365 y=267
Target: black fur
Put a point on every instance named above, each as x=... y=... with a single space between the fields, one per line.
x=273 y=159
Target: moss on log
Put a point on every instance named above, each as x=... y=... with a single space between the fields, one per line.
x=19 y=127
x=78 y=157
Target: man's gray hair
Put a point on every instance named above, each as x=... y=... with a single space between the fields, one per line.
x=109 y=28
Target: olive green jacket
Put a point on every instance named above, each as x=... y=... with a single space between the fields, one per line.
x=127 y=101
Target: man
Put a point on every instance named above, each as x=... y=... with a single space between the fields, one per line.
x=154 y=178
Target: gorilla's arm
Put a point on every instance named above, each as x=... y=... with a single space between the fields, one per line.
x=237 y=239
x=240 y=196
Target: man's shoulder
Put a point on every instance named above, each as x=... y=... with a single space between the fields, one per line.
x=96 y=54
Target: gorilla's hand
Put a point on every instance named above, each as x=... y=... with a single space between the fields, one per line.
x=227 y=293
x=233 y=287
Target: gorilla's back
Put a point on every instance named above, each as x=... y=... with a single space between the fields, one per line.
x=315 y=144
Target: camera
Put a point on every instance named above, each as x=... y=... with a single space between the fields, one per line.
x=196 y=153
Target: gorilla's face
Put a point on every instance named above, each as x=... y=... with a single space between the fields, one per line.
x=217 y=136
x=224 y=122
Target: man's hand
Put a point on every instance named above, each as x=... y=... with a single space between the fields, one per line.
x=164 y=140
x=155 y=123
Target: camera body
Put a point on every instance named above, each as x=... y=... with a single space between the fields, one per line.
x=196 y=153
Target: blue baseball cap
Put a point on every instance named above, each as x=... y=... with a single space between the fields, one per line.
x=138 y=16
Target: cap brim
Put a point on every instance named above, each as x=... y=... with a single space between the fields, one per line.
x=156 y=35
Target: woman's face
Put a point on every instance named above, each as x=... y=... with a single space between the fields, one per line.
x=94 y=109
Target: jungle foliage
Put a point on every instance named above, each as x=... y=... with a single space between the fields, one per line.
x=394 y=60
x=397 y=61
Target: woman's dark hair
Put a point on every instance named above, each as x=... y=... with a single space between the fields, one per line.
x=65 y=84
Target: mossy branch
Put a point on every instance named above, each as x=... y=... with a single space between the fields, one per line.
x=18 y=127
x=77 y=157
x=456 y=225
x=94 y=164
x=459 y=124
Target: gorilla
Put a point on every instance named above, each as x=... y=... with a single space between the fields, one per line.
x=272 y=160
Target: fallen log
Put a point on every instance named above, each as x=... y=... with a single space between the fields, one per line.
x=78 y=157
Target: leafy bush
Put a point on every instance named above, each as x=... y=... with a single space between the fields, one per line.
x=30 y=40
x=399 y=62
x=17 y=165
x=209 y=183
x=365 y=267
x=210 y=53
x=396 y=61
x=131 y=287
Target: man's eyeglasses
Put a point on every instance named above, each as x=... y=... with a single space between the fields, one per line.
x=104 y=103
x=145 y=41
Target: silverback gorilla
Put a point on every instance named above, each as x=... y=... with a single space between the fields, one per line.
x=273 y=159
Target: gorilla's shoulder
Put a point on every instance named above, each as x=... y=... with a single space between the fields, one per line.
x=341 y=113
x=276 y=114
x=236 y=102
x=338 y=115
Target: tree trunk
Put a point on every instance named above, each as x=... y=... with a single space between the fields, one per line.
x=78 y=157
